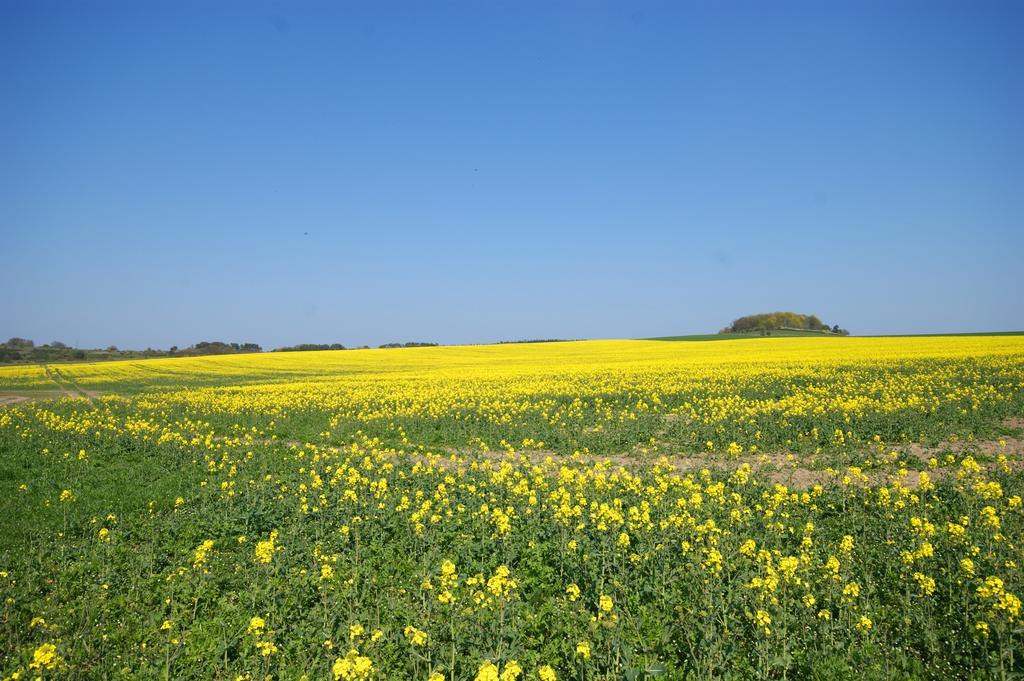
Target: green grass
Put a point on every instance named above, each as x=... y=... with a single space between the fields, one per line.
x=787 y=333
x=105 y=602
x=780 y=333
x=937 y=335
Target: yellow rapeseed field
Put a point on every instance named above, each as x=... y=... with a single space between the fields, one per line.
x=764 y=508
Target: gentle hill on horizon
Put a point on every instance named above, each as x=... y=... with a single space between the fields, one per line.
x=766 y=322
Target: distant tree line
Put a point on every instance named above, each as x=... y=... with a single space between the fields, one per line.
x=771 y=321
x=23 y=350
x=214 y=348
x=306 y=347
x=409 y=345
x=534 y=340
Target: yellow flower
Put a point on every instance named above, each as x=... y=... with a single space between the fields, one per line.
x=992 y=587
x=352 y=667
x=788 y=567
x=256 y=626
x=202 y=551
x=355 y=631
x=606 y=603
x=166 y=626
x=925 y=583
x=763 y=620
x=487 y=672
x=415 y=636
x=500 y=584
x=864 y=624
x=67 y=496
x=583 y=650
x=44 y=657
x=713 y=562
x=573 y=592
x=265 y=549
x=266 y=648
x=511 y=671
x=546 y=673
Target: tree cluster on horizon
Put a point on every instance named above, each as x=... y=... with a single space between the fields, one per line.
x=772 y=321
x=24 y=350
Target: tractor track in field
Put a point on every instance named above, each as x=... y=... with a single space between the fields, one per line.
x=68 y=386
x=775 y=467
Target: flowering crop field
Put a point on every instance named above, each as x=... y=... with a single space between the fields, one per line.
x=813 y=508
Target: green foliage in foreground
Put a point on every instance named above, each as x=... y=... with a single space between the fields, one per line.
x=151 y=566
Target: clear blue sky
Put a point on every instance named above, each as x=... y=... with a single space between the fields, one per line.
x=284 y=172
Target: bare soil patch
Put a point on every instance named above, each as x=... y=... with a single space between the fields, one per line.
x=771 y=466
x=1011 y=447
x=11 y=397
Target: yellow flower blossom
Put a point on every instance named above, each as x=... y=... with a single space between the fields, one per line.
x=256 y=626
x=45 y=657
x=546 y=673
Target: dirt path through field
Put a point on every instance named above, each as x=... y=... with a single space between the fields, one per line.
x=12 y=397
x=6 y=399
x=68 y=385
x=774 y=466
